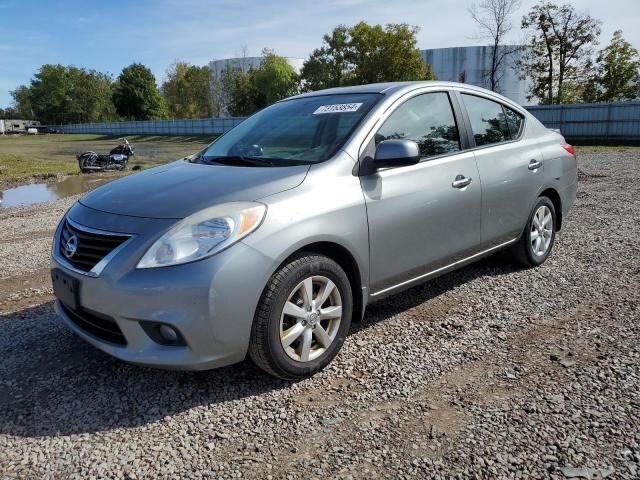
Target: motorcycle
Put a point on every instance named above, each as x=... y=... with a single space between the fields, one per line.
x=116 y=159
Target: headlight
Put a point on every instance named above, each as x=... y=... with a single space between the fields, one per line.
x=204 y=234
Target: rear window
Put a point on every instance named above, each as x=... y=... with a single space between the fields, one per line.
x=488 y=120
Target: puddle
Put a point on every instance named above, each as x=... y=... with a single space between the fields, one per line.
x=46 y=192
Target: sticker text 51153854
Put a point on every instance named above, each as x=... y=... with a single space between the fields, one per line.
x=337 y=108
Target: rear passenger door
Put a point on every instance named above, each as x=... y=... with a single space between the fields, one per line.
x=510 y=167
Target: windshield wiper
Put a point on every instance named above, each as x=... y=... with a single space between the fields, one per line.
x=235 y=159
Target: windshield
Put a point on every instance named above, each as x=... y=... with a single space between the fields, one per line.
x=293 y=132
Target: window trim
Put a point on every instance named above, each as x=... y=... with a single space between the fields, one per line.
x=465 y=113
x=456 y=110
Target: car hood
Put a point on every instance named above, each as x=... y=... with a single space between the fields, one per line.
x=180 y=188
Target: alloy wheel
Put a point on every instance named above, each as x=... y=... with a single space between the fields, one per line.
x=541 y=231
x=310 y=318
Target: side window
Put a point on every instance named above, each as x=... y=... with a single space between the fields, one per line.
x=488 y=121
x=515 y=122
x=426 y=119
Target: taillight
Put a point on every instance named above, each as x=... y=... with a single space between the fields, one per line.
x=569 y=148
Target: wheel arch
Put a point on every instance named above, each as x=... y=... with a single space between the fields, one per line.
x=553 y=195
x=343 y=257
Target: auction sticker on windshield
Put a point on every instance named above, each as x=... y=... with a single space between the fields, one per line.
x=338 y=108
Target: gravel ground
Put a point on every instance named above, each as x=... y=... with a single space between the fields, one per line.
x=490 y=371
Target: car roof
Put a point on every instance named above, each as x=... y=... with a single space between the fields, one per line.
x=389 y=88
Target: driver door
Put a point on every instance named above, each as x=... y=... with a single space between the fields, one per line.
x=421 y=217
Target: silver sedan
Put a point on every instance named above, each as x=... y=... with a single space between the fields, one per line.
x=274 y=238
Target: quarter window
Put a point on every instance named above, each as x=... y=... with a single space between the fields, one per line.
x=426 y=119
x=488 y=120
x=515 y=122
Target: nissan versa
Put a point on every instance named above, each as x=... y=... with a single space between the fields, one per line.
x=275 y=237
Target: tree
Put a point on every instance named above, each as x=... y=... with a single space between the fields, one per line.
x=9 y=112
x=237 y=84
x=618 y=70
x=187 y=91
x=22 y=103
x=136 y=96
x=274 y=80
x=386 y=54
x=559 y=50
x=89 y=96
x=252 y=90
x=65 y=94
x=493 y=19
x=365 y=54
x=329 y=66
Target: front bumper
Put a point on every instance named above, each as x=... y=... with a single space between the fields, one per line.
x=210 y=302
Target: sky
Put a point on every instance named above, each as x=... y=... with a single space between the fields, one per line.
x=108 y=35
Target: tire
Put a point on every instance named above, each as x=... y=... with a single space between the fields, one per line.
x=535 y=244
x=82 y=162
x=283 y=354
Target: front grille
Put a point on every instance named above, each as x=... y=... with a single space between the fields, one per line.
x=91 y=247
x=96 y=324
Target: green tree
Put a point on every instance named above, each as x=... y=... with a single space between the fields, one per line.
x=240 y=96
x=136 y=96
x=386 y=54
x=65 y=94
x=559 y=53
x=22 y=103
x=364 y=54
x=89 y=96
x=273 y=80
x=329 y=66
x=187 y=91
x=618 y=69
x=259 y=87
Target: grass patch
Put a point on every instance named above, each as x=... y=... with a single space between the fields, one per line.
x=27 y=156
x=14 y=167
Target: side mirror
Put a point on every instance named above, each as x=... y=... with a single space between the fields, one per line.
x=396 y=153
x=390 y=154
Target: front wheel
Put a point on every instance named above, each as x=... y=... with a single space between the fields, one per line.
x=302 y=319
x=539 y=235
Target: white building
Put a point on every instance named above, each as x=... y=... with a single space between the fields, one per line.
x=472 y=65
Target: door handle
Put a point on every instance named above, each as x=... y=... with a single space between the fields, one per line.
x=461 y=181
x=534 y=164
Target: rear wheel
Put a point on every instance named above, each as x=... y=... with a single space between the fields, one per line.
x=539 y=235
x=83 y=163
x=302 y=319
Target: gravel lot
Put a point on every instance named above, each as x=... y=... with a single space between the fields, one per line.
x=490 y=371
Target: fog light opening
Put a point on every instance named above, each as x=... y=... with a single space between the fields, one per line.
x=164 y=334
x=168 y=333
